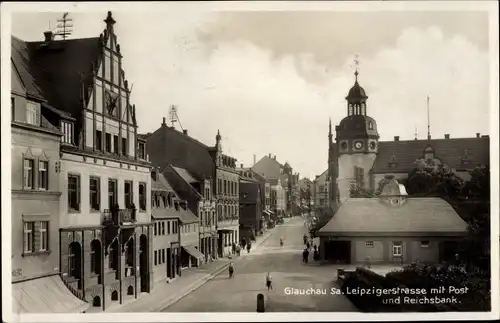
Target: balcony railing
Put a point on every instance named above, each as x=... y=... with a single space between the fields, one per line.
x=120 y=216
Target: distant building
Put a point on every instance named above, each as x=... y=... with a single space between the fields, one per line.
x=251 y=217
x=320 y=190
x=273 y=171
x=392 y=229
x=105 y=207
x=265 y=198
x=167 y=146
x=357 y=157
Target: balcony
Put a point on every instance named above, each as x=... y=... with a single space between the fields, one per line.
x=119 y=217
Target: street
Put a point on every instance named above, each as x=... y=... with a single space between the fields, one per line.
x=222 y=294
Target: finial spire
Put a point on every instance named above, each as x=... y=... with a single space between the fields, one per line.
x=428 y=120
x=356 y=63
x=218 y=137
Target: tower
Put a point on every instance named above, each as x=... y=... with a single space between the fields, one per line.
x=357 y=142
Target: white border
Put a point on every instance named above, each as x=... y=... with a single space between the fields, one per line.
x=7 y=8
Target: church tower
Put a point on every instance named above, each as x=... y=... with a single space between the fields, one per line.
x=356 y=143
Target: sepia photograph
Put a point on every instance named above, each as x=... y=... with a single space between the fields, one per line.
x=206 y=161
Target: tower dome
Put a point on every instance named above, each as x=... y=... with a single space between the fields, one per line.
x=356 y=93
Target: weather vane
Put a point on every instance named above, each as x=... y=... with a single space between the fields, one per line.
x=356 y=64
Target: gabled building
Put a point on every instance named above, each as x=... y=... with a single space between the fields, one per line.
x=105 y=206
x=320 y=190
x=357 y=157
x=199 y=200
x=167 y=146
x=265 y=198
x=36 y=284
x=273 y=171
x=251 y=211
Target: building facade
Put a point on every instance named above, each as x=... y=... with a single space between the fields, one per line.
x=265 y=198
x=35 y=198
x=200 y=201
x=357 y=157
x=251 y=211
x=269 y=168
x=105 y=207
x=320 y=190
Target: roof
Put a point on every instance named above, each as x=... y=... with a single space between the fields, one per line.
x=186 y=176
x=356 y=92
x=359 y=216
x=20 y=57
x=186 y=216
x=268 y=167
x=403 y=154
x=63 y=68
x=161 y=184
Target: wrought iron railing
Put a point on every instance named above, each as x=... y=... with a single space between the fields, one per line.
x=120 y=216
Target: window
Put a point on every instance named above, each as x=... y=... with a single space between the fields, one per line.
x=67 y=130
x=397 y=249
x=163 y=256
x=108 y=142
x=360 y=176
x=114 y=255
x=156 y=257
x=424 y=244
x=12 y=109
x=370 y=125
x=43 y=175
x=28 y=174
x=115 y=144
x=95 y=193
x=98 y=140
x=156 y=229
x=162 y=228
x=350 y=110
x=168 y=227
x=32 y=114
x=129 y=197
x=112 y=194
x=142 y=151
x=44 y=237
x=225 y=187
x=28 y=242
x=124 y=146
x=219 y=186
x=142 y=196
x=73 y=193
x=369 y=244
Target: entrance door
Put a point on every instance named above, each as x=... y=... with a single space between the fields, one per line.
x=143 y=264
x=169 y=263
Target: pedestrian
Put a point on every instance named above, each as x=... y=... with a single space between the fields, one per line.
x=308 y=246
x=231 y=270
x=269 y=283
x=234 y=248
x=238 y=250
x=305 y=256
x=249 y=246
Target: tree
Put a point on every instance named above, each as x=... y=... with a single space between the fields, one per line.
x=434 y=181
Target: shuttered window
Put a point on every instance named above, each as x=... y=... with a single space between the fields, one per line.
x=28 y=174
x=29 y=241
x=43 y=175
x=42 y=240
x=32 y=114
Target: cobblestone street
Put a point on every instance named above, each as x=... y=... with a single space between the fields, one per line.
x=222 y=294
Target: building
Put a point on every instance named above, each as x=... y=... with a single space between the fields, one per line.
x=320 y=190
x=168 y=146
x=265 y=199
x=357 y=157
x=175 y=231
x=200 y=201
x=392 y=229
x=36 y=284
x=105 y=206
x=251 y=217
x=273 y=171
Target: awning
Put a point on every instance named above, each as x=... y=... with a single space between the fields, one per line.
x=45 y=295
x=193 y=252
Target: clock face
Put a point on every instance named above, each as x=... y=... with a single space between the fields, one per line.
x=358 y=145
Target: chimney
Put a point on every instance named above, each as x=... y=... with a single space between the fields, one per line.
x=446 y=136
x=478 y=135
x=396 y=138
x=485 y=136
x=185 y=132
x=274 y=157
x=49 y=36
x=241 y=165
x=155 y=174
x=164 y=121
x=269 y=155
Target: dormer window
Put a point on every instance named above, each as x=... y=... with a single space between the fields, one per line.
x=67 y=130
x=370 y=125
x=141 y=150
x=32 y=113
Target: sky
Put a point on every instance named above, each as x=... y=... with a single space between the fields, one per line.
x=270 y=80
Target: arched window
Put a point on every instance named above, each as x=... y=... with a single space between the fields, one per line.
x=363 y=109
x=75 y=262
x=370 y=125
x=349 y=113
x=114 y=255
x=95 y=257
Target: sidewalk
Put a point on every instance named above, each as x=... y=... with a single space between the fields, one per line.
x=166 y=294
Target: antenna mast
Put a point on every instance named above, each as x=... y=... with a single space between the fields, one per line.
x=174 y=117
x=64 y=26
x=428 y=120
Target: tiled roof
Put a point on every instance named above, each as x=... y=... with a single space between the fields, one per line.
x=161 y=184
x=186 y=176
x=376 y=215
x=165 y=213
x=20 y=57
x=449 y=151
x=64 y=69
x=186 y=216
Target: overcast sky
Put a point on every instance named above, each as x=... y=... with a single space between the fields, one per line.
x=271 y=80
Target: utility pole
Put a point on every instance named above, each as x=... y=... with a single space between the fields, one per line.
x=64 y=26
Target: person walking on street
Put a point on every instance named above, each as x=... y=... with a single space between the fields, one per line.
x=233 y=249
x=231 y=270
x=249 y=246
x=238 y=250
x=305 y=256
x=269 y=283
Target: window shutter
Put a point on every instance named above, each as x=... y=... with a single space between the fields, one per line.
x=36 y=235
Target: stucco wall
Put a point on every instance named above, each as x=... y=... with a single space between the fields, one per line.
x=346 y=164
